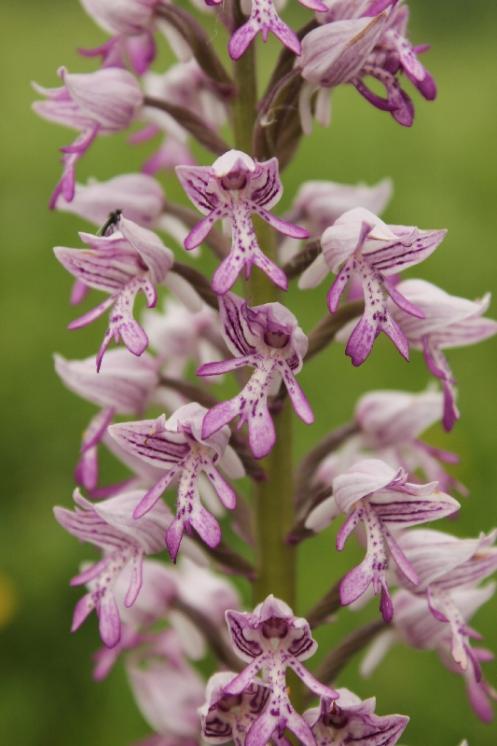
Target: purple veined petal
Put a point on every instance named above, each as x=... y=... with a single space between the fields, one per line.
x=174 y=535
x=355 y=583
x=297 y=396
x=136 y=580
x=283 y=226
x=151 y=441
x=224 y=490
x=154 y=494
x=109 y=621
x=109 y=268
x=92 y=315
x=315 y=686
x=337 y=288
x=241 y=39
x=405 y=252
x=384 y=104
x=219 y=416
x=82 y=610
x=220 y=367
x=206 y=526
x=246 y=649
x=407 y=512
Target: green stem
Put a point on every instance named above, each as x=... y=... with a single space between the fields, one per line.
x=273 y=498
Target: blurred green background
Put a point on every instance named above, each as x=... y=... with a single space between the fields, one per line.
x=444 y=171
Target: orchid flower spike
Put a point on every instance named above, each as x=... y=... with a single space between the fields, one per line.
x=361 y=246
x=361 y=39
x=272 y=640
x=124 y=543
x=379 y=497
x=125 y=385
x=235 y=187
x=264 y=19
x=447 y=321
x=178 y=447
x=130 y=260
x=350 y=719
x=98 y=103
x=268 y=339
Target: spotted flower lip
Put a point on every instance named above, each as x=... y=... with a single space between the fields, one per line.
x=124 y=542
x=448 y=321
x=227 y=718
x=349 y=719
x=268 y=339
x=130 y=260
x=235 y=187
x=271 y=639
x=124 y=386
x=264 y=19
x=98 y=103
x=361 y=246
x=178 y=447
x=379 y=497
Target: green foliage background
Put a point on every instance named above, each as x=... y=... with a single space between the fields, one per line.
x=444 y=171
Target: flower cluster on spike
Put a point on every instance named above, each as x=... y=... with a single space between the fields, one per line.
x=172 y=530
